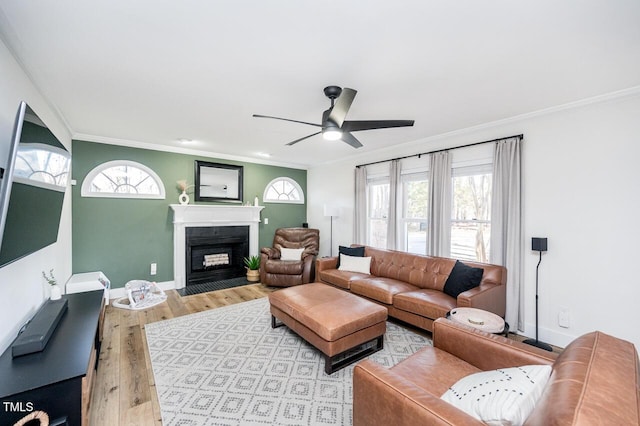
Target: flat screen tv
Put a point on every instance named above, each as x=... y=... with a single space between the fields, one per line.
x=32 y=188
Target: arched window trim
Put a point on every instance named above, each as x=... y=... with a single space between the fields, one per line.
x=292 y=182
x=86 y=184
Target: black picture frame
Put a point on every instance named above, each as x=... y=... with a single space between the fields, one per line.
x=218 y=182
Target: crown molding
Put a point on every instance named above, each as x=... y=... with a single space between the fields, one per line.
x=607 y=97
x=181 y=150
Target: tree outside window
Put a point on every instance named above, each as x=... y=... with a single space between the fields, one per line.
x=471 y=215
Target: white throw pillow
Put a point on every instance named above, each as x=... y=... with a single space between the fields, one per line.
x=355 y=264
x=500 y=397
x=291 y=254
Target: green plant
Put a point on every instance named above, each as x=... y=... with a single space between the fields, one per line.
x=252 y=262
x=50 y=279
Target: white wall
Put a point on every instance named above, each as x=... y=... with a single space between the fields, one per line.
x=22 y=288
x=581 y=191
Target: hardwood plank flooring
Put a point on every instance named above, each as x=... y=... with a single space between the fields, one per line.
x=124 y=392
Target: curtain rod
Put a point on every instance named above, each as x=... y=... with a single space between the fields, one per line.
x=520 y=136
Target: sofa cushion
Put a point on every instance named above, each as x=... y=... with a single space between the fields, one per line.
x=433 y=370
x=284 y=267
x=462 y=278
x=342 y=279
x=425 y=302
x=350 y=251
x=418 y=270
x=503 y=396
x=380 y=289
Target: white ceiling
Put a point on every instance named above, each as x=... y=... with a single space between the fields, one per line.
x=152 y=72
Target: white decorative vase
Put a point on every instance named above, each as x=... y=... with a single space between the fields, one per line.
x=183 y=198
x=56 y=292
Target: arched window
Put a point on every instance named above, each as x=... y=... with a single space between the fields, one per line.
x=123 y=179
x=283 y=190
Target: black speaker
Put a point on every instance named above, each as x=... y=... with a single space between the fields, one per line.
x=538 y=244
x=305 y=225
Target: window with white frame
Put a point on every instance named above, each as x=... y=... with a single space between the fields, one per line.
x=415 y=201
x=377 y=211
x=471 y=212
x=123 y=179
x=283 y=190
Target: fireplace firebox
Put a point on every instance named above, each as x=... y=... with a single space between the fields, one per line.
x=215 y=253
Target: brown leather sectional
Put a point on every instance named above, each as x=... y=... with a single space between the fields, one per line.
x=594 y=381
x=411 y=286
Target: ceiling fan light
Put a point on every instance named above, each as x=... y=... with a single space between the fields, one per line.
x=331 y=134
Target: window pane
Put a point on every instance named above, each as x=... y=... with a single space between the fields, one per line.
x=123 y=179
x=283 y=190
x=415 y=202
x=471 y=213
x=378 y=209
x=416 y=237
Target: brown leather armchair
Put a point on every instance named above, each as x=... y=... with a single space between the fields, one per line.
x=286 y=273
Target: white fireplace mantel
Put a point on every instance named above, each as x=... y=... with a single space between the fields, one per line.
x=190 y=215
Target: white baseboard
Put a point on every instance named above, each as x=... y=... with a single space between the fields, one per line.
x=552 y=337
x=116 y=293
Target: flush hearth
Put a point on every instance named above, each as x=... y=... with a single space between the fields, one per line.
x=215 y=253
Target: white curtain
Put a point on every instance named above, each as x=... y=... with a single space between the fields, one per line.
x=360 y=211
x=506 y=223
x=439 y=225
x=393 y=215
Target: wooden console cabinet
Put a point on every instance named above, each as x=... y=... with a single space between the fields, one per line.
x=57 y=381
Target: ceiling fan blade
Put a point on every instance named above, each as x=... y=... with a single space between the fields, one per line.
x=354 y=126
x=342 y=105
x=303 y=138
x=351 y=140
x=287 y=119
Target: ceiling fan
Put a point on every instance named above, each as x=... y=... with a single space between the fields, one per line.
x=334 y=126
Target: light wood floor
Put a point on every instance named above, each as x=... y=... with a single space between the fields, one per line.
x=124 y=392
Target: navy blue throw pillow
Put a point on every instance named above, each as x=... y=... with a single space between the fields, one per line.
x=462 y=278
x=350 y=251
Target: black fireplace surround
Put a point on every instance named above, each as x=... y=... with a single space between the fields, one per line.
x=215 y=253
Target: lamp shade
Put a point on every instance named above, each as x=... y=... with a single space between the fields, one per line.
x=332 y=211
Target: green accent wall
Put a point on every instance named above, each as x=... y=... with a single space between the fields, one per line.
x=122 y=237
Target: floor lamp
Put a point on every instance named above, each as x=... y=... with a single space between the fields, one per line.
x=539 y=245
x=331 y=211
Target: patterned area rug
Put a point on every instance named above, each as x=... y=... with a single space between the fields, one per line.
x=227 y=366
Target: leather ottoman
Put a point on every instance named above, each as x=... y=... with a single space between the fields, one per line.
x=343 y=326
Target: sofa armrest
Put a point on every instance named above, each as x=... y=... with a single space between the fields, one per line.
x=484 y=350
x=324 y=263
x=489 y=297
x=270 y=252
x=380 y=397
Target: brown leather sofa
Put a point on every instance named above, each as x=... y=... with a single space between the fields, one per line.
x=411 y=285
x=285 y=273
x=594 y=381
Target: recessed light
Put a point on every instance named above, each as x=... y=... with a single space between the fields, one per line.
x=187 y=141
x=264 y=154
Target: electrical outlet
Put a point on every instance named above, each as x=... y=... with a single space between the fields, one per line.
x=564 y=318
x=266 y=220
x=154 y=268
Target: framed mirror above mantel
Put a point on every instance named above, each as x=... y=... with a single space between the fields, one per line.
x=218 y=182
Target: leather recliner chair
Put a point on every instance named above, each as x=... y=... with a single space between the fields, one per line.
x=285 y=273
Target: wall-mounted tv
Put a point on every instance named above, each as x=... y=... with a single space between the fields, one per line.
x=32 y=188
